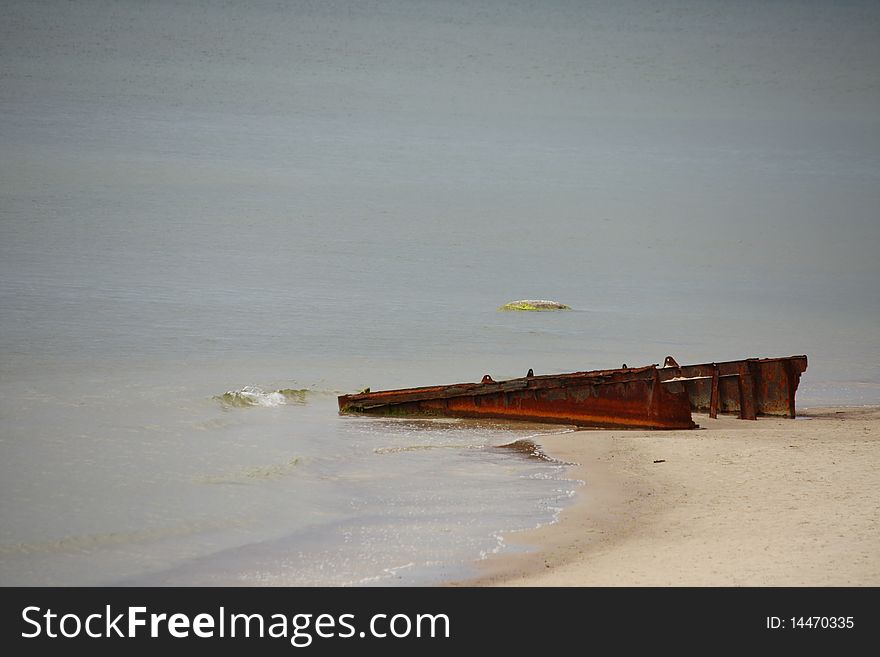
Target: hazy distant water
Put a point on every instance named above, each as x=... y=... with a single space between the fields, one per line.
x=196 y=198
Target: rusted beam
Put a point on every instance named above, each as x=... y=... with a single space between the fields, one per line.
x=713 y=399
x=746 y=393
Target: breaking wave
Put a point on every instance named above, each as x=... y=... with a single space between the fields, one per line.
x=256 y=396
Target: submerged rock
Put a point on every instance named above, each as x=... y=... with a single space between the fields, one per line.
x=534 y=304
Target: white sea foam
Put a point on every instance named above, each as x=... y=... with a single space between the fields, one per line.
x=256 y=396
x=499 y=546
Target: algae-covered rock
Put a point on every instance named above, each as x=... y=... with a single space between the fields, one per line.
x=534 y=304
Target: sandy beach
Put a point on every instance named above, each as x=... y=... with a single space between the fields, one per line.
x=772 y=502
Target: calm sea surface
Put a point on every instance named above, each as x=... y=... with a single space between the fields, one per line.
x=286 y=201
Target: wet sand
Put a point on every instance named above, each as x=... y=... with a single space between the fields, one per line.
x=772 y=502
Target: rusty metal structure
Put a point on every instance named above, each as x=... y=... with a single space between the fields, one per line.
x=749 y=388
x=649 y=397
x=628 y=397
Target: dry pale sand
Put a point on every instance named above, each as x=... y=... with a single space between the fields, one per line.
x=776 y=502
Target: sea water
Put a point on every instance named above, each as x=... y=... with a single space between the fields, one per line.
x=216 y=217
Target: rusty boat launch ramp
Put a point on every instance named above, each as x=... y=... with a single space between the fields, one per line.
x=649 y=397
x=634 y=398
